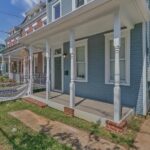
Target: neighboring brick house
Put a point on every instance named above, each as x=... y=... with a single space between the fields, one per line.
x=95 y=49
x=35 y=19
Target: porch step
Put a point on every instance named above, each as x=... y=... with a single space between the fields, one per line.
x=34 y=101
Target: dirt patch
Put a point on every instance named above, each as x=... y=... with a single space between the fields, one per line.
x=142 y=141
x=77 y=139
x=1 y=147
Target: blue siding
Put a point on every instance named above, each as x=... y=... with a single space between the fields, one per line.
x=66 y=7
x=96 y=88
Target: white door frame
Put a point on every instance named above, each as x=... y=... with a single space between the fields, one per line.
x=53 y=67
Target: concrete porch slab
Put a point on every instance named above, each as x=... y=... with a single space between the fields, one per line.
x=88 y=109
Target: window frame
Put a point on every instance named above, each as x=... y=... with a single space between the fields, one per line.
x=108 y=37
x=53 y=8
x=74 y=4
x=79 y=44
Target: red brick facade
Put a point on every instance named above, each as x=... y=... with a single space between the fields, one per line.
x=27 y=26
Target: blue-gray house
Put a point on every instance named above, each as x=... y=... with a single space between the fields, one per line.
x=95 y=56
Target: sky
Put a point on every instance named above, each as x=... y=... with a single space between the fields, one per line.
x=12 y=13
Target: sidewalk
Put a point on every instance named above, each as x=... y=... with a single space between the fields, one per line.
x=78 y=139
x=142 y=141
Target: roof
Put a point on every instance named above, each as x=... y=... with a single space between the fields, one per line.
x=30 y=13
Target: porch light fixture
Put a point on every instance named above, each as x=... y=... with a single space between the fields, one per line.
x=65 y=55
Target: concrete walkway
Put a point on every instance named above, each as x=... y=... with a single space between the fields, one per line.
x=76 y=138
x=142 y=141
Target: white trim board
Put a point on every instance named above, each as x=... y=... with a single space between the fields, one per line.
x=56 y=3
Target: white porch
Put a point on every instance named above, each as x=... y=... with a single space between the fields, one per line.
x=96 y=17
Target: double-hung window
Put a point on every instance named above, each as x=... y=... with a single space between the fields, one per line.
x=56 y=10
x=124 y=58
x=78 y=3
x=81 y=61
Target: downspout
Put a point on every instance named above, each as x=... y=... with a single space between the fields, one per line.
x=144 y=74
x=148 y=64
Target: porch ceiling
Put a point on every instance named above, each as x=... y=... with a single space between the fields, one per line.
x=132 y=12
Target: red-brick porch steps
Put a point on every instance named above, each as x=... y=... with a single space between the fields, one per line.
x=34 y=101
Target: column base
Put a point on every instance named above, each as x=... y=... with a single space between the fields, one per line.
x=69 y=111
x=116 y=127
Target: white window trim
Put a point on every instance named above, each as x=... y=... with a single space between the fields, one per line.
x=26 y=29
x=109 y=36
x=78 y=44
x=74 y=4
x=59 y=1
x=34 y=24
x=44 y=18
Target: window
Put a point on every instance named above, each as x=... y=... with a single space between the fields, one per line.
x=34 y=26
x=124 y=59
x=56 y=10
x=79 y=3
x=44 y=21
x=26 y=30
x=81 y=61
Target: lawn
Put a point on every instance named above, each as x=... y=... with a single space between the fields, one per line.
x=14 y=135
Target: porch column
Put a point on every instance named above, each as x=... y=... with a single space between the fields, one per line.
x=18 y=66
x=31 y=71
x=72 y=82
x=9 y=66
x=117 y=90
x=47 y=71
x=2 y=65
x=24 y=69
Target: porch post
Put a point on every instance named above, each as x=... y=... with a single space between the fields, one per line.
x=72 y=82
x=24 y=69
x=18 y=66
x=9 y=66
x=47 y=71
x=117 y=90
x=2 y=65
x=31 y=71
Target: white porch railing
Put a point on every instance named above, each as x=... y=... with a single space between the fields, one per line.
x=13 y=93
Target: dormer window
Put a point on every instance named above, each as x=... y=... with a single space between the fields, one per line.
x=56 y=10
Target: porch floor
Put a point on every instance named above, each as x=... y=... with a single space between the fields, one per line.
x=98 y=108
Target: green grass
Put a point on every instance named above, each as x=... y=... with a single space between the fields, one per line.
x=25 y=137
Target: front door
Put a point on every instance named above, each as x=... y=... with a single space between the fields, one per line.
x=58 y=70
